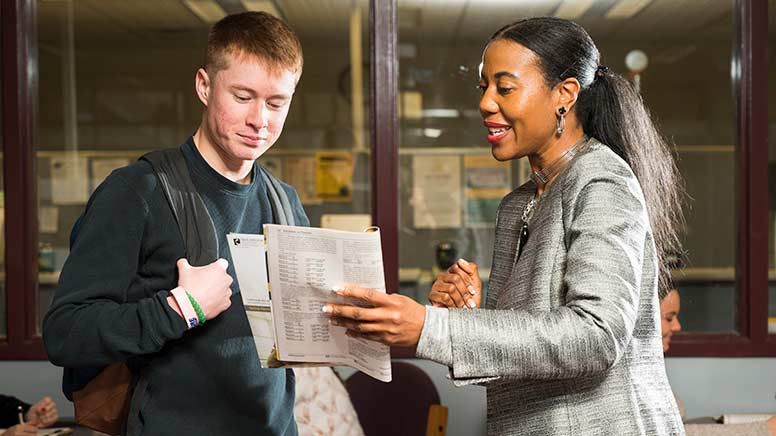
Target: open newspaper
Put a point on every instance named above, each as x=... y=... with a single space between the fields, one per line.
x=285 y=278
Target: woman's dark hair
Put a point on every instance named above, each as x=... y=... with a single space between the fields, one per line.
x=610 y=110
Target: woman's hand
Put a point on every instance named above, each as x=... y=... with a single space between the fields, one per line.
x=459 y=287
x=771 y=423
x=43 y=413
x=392 y=319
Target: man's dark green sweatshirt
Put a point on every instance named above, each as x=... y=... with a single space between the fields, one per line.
x=111 y=305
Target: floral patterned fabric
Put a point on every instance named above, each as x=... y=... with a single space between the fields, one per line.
x=322 y=406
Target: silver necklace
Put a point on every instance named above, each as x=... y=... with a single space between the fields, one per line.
x=527 y=213
x=544 y=175
x=541 y=178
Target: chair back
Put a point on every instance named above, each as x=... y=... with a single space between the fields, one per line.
x=400 y=407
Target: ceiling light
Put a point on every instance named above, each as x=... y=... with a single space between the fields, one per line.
x=636 y=61
x=573 y=9
x=440 y=113
x=627 y=8
x=207 y=10
x=432 y=133
x=267 y=6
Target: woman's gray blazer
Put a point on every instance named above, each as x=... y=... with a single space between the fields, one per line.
x=568 y=342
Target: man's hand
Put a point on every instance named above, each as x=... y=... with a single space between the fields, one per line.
x=43 y=413
x=460 y=287
x=21 y=430
x=209 y=285
x=771 y=423
x=392 y=319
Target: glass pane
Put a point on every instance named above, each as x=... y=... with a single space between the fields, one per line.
x=323 y=151
x=449 y=184
x=116 y=80
x=440 y=47
x=772 y=166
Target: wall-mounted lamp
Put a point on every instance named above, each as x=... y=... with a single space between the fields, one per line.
x=636 y=61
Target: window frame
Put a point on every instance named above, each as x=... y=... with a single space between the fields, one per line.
x=750 y=84
x=19 y=112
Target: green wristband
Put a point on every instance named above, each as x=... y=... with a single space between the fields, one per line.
x=200 y=313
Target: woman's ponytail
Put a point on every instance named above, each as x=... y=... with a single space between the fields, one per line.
x=613 y=112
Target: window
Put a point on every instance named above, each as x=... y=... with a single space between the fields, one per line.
x=116 y=80
x=689 y=79
x=99 y=83
x=442 y=135
x=324 y=149
x=449 y=184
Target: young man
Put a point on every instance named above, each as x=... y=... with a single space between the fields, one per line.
x=114 y=303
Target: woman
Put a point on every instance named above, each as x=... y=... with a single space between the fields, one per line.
x=569 y=340
x=21 y=418
x=669 y=317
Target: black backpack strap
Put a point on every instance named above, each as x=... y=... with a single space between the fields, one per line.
x=282 y=212
x=194 y=221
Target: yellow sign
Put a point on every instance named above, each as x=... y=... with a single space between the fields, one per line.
x=334 y=176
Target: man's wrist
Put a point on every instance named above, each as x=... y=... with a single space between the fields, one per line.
x=187 y=309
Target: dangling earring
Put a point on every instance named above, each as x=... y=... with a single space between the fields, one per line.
x=561 y=121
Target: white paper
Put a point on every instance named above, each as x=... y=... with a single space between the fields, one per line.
x=304 y=264
x=745 y=418
x=102 y=167
x=250 y=265
x=52 y=431
x=436 y=192
x=68 y=180
x=249 y=259
x=48 y=218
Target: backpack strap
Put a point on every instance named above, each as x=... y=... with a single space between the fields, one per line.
x=194 y=221
x=282 y=212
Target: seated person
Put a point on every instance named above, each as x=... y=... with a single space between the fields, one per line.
x=41 y=414
x=669 y=317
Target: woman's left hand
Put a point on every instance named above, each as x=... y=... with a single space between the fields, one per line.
x=43 y=413
x=459 y=287
x=392 y=319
